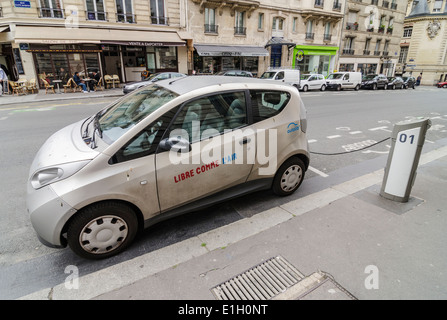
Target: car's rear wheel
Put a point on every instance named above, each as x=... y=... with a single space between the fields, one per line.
x=289 y=177
x=102 y=230
x=323 y=88
x=357 y=87
x=305 y=88
x=374 y=86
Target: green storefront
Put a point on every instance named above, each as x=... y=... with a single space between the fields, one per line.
x=314 y=59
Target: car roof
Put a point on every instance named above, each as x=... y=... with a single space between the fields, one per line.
x=190 y=83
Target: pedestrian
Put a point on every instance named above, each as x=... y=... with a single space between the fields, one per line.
x=3 y=80
x=419 y=78
x=95 y=80
x=79 y=82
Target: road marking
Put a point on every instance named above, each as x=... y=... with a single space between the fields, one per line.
x=385 y=128
x=355 y=132
x=312 y=141
x=334 y=136
x=321 y=173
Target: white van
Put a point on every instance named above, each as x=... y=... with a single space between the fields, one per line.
x=344 y=80
x=289 y=76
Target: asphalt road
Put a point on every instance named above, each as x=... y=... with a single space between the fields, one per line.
x=337 y=122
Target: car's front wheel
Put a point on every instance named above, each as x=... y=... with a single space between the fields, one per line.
x=102 y=230
x=288 y=177
x=323 y=88
x=305 y=88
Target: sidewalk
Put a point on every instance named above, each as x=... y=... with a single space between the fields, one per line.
x=8 y=99
x=368 y=246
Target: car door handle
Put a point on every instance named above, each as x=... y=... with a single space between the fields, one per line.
x=245 y=141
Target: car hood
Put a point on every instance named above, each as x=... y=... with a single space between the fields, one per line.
x=138 y=83
x=64 y=146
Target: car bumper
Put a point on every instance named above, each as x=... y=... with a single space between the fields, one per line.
x=126 y=90
x=331 y=86
x=48 y=215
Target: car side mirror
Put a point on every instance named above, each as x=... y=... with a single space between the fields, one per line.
x=176 y=144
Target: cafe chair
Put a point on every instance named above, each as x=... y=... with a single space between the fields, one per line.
x=15 y=87
x=109 y=81
x=32 y=86
x=99 y=85
x=48 y=86
x=116 y=80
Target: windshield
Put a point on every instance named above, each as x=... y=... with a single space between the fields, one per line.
x=305 y=76
x=125 y=114
x=335 y=76
x=369 y=77
x=268 y=75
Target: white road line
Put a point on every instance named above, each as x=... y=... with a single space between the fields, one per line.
x=355 y=132
x=380 y=128
x=333 y=137
x=321 y=173
x=312 y=141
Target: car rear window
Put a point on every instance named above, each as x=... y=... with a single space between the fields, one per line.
x=268 y=103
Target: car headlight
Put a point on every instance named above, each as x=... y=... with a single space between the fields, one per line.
x=48 y=175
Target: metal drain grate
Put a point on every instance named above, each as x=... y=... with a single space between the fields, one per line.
x=262 y=282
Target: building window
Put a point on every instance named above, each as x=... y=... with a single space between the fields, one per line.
x=210 y=20
x=377 y=49
x=294 y=23
x=239 y=28
x=403 y=54
x=309 y=30
x=408 y=32
x=366 y=51
x=385 y=47
x=158 y=12
x=347 y=49
x=278 y=24
x=95 y=10
x=261 y=21
x=327 y=31
x=51 y=9
x=124 y=12
x=437 y=6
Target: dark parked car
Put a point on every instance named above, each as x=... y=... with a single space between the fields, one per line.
x=236 y=73
x=395 y=82
x=153 y=78
x=374 y=81
x=409 y=82
x=442 y=84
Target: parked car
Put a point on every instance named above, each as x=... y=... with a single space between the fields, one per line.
x=442 y=84
x=289 y=76
x=312 y=82
x=395 y=82
x=344 y=80
x=374 y=81
x=146 y=158
x=409 y=82
x=153 y=78
x=235 y=73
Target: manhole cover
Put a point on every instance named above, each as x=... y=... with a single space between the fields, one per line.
x=261 y=282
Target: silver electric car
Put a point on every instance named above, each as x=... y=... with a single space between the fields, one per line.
x=172 y=147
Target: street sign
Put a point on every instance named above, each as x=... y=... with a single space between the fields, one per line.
x=22 y=4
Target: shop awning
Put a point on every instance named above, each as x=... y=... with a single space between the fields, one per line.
x=230 y=51
x=52 y=35
x=276 y=41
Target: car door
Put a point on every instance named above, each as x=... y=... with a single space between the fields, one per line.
x=218 y=155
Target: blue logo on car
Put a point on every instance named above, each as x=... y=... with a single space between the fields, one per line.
x=292 y=127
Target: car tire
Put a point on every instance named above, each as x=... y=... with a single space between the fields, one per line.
x=414 y=87
x=323 y=88
x=444 y=86
x=102 y=230
x=305 y=88
x=357 y=87
x=339 y=87
x=289 y=177
x=374 y=87
x=393 y=87
x=385 y=87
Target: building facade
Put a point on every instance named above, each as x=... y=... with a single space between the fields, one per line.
x=52 y=39
x=371 y=36
x=423 y=47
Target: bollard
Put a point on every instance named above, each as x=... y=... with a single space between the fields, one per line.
x=407 y=140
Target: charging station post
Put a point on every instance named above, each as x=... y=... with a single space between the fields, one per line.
x=407 y=140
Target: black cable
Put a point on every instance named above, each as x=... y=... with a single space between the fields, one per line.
x=338 y=153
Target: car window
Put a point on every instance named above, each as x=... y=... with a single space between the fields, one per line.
x=208 y=116
x=280 y=75
x=267 y=104
x=145 y=142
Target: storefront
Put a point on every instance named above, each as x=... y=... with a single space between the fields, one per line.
x=314 y=59
x=210 y=59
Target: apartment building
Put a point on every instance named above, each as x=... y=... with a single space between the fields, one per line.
x=52 y=38
x=255 y=35
x=423 y=47
x=371 y=36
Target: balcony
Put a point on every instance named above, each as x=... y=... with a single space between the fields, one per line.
x=240 y=31
x=352 y=26
x=385 y=53
x=96 y=15
x=160 y=20
x=310 y=35
x=319 y=4
x=389 y=30
x=385 y=4
x=327 y=37
x=366 y=52
x=348 y=52
x=377 y=53
x=211 y=28
x=336 y=6
x=381 y=29
x=51 y=13
x=125 y=18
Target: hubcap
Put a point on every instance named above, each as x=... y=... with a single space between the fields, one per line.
x=291 y=178
x=103 y=234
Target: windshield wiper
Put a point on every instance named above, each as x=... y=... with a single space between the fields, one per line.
x=96 y=127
